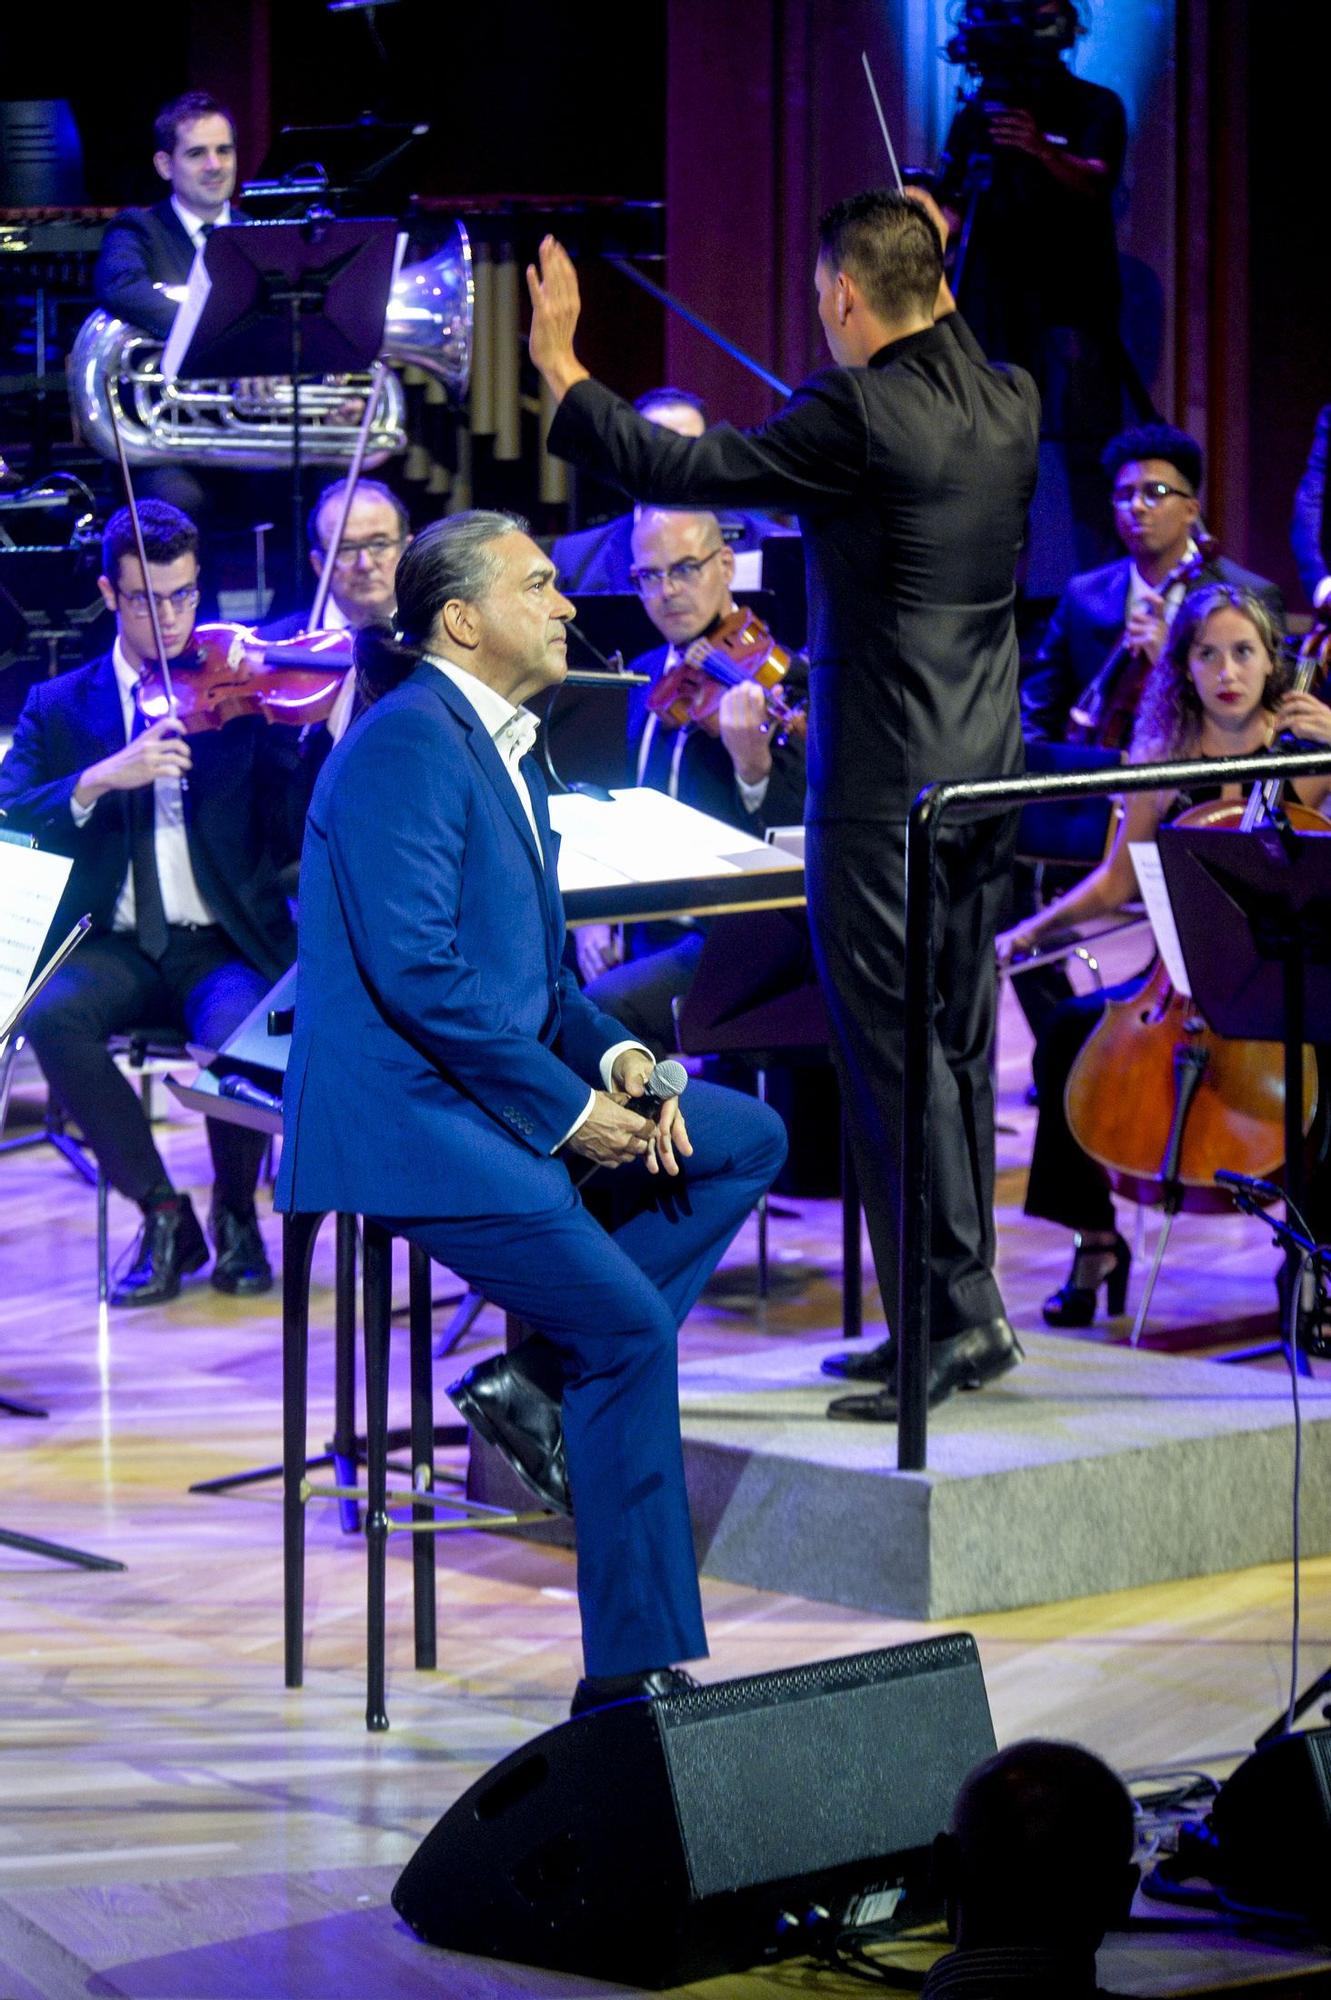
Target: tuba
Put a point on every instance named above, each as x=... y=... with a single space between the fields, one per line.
x=428 y=326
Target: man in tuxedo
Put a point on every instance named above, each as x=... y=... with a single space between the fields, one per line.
x=1155 y=474
x=683 y=571
x=191 y=927
x=910 y=464
x=362 y=592
x=146 y=249
x=601 y=558
x=485 y=1086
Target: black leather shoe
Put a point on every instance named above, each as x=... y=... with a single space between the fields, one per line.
x=170 y=1246
x=525 y=1426
x=602 y=1692
x=241 y=1266
x=966 y=1360
x=1093 y=1265
x=875 y=1364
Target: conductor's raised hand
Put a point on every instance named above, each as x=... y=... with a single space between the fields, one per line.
x=555 y=306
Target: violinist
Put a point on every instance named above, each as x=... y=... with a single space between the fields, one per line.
x=1220 y=689
x=190 y=924
x=683 y=571
x=1155 y=475
x=365 y=563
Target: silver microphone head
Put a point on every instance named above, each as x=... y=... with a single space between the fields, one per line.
x=666 y=1080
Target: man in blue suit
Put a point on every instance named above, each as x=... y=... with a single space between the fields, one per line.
x=444 y=1066
x=1155 y=474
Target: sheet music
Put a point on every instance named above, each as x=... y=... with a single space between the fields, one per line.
x=31 y=885
x=1155 y=894
x=182 y=330
x=643 y=836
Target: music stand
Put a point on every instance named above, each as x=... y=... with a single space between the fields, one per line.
x=287 y=298
x=1254 y=919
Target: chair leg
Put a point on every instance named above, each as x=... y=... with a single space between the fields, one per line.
x=422 y=1458
x=345 y=1462
x=298 y=1234
x=103 y=1251
x=377 y=1282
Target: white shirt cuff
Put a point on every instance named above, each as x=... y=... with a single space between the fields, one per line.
x=1322 y=592
x=578 y=1122
x=80 y=814
x=611 y=1057
x=753 y=795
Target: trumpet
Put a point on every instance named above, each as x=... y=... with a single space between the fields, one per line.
x=115 y=377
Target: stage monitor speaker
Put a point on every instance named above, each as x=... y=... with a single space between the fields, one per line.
x=656 y=1842
x=1270 y=1829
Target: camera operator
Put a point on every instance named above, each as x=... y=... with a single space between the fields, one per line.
x=1033 y=157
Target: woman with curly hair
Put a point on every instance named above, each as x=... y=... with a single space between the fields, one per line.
x=1220 y=689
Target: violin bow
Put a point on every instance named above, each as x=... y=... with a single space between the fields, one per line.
x=354 y=471
x=882 y=122
x=132 y=504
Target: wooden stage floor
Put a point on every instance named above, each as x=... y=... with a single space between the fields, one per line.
x=176 y=1825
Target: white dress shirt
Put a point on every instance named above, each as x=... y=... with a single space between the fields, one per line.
x=181 y=901
x=194 y=225
x=513 y=732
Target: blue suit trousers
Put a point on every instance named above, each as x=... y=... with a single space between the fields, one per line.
x=606 y=1300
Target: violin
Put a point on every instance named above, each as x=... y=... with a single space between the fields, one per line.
x=739 y=648
x=1160 y=1099
x=1106 y=713
x=229 y=672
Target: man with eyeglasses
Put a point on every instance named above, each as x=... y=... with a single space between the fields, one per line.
x=364 y=571
x=1155 y=473
x=191 y=927
x=683 y=572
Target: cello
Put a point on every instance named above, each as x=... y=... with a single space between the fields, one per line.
x=1160 y=1099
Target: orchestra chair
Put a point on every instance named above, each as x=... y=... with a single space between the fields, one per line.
x=421 y=1509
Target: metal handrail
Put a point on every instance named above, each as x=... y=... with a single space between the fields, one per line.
x=977 y=799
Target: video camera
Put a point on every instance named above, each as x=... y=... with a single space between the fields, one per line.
x=1007 y=43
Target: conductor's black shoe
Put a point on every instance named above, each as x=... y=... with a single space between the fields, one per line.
x=241 y=1266
x=601 y=1691
x=966 y=1360
x=875 y=1364
x=170 y=1246
x=525 y=1426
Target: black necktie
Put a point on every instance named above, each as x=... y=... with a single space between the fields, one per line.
x=149 y=914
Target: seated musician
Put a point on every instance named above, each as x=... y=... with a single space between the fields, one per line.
x=601 y=558
x=1155 y=473
x=683 y=571
x=364 y=569
x=146 y=249
x=190 y=924
x=1220 y=689
x=485 y=1084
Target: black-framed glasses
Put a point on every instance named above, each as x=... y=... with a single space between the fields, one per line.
x=648 y=581
x=174 y=600
x=1150 y=492
x=377 y=548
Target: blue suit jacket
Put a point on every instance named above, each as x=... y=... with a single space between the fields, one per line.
x=1086 y=626
x=440 y=1051
x=1308 y=530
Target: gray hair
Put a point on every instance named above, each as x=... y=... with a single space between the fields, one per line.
x=452 y=558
